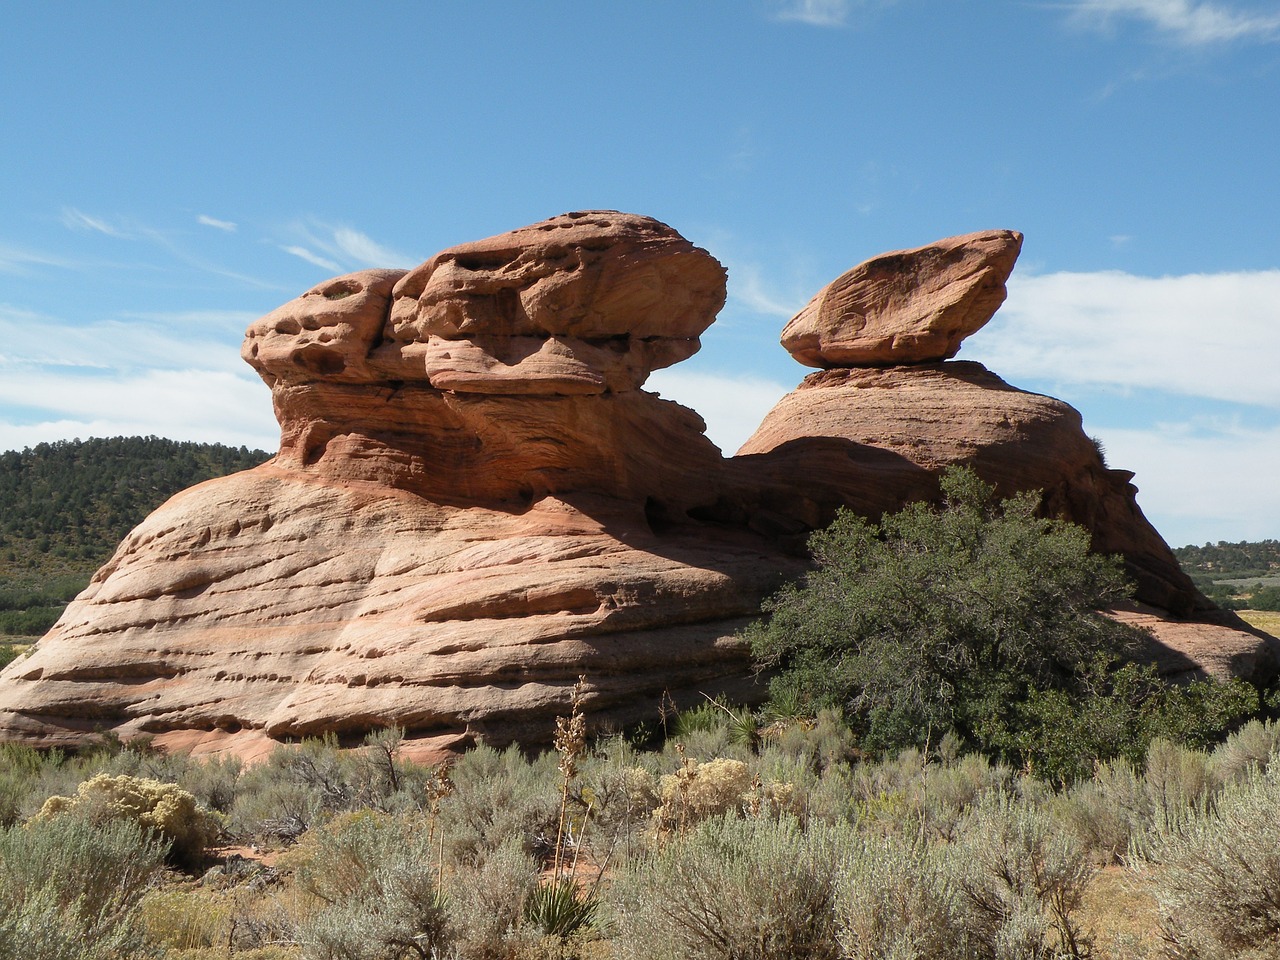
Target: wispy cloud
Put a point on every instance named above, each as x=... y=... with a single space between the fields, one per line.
x=172 y=375
x=313 y=258
x=748 y=287
x=341 y=248
x=1184 y=22
x=224 y=225
x=78 y=220
x=361 y=248
x=816 y=13
x=17 y=260
x=1210 y=336
x=1123 y=345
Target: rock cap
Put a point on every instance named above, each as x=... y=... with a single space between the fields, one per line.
x=908 y=306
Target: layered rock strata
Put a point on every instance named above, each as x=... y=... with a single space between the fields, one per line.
x=474 y=500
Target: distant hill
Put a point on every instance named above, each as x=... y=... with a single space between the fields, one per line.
x=1228 y=573
x=65 y=506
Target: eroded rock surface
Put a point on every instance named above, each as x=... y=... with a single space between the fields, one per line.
x=909 y=306
x=475 y=502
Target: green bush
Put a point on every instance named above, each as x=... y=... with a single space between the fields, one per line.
x=496 y=796
x=754 y=889
x=1219 y=874
x=1249 y=749
x=487 y=903
x=942 y=619
x=69 y=889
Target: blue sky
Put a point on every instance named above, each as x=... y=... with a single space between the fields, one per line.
x=169 y=172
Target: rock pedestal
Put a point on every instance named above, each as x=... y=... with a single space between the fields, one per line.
x=475 y=501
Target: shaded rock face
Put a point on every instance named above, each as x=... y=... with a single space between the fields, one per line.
x=474 y=502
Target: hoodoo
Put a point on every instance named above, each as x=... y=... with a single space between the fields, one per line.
x=475 y=501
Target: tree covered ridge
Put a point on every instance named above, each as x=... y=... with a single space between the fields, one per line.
x=1222 y=560
x=64 y=507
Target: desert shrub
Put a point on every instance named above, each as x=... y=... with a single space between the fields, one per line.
x=486 y=903
x=1176 y=779
x=753 y=889
x=69 y=888
x=1220 y=872
x=20 y=770
x=621 y=794
x=375 y=879
x=1248 y=749
x=897 y=899
x=1107 y=812
x=179 y=919
x=942 y=619
x=821 y=742
x=164 y=808
x=497 y=795
x=697 y=791
x=1021 y=878
x=273 y=811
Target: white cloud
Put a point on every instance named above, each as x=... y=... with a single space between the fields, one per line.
x=1199 y=483
x=167 y=341
x=75 y=219
x=732 y=406
x=203 y=405
x=224 y=225
x=313 y=258
x=342 y=249
x=1212 y=336
x=816 y=13
x=361 y=248
x=1184 y=21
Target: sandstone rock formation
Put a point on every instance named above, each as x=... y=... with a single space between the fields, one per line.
x=910 y=306
x=474 y=502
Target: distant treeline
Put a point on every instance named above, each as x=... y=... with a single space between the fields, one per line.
x=1231 y=561
x=65 y=506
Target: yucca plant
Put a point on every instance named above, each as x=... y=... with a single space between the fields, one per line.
x=557 y=907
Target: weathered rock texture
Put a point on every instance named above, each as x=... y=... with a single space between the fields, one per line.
x=474 y=502
x=909 y=306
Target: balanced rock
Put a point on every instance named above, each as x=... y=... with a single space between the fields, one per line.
x=475 y=502
x=909 y=306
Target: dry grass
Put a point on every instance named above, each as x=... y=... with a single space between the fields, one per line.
x=1121 y=914
x=1268 y=620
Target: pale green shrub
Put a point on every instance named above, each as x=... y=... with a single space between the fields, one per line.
x=1218 y=885
x=1021 y=878
x=1249 y=748
x=69 y=889
x=755 y=889
x=375 y=880
x=1107 y=813
x=486 y=903
x=897 y=901
x=1177 y=779
x=164 y=808
x=498 y=795
x=183 y=919
x=621 y=795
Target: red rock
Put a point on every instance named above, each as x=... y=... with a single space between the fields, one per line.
x=909 y=306
x=473 y=502
x=878 y=437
